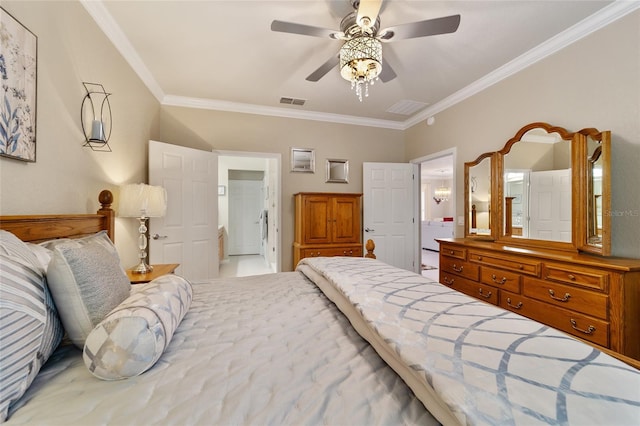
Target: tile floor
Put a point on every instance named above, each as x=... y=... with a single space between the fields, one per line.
x=431 y=258
x=242 y=266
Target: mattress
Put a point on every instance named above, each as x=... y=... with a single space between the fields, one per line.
x=474 y=363
x=268 y=350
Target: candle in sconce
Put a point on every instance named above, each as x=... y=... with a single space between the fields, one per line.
x=97 y=131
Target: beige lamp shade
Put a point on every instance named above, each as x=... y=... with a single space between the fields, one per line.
x=142 y=200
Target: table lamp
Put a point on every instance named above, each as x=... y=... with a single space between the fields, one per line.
x=142 y=201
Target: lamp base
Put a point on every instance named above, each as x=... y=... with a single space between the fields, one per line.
x=142 y=268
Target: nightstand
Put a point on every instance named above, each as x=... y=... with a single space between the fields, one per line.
x=158 y=270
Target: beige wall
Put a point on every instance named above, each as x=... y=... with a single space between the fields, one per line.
x=595 y=82
x=66 y=178
x=204 y=129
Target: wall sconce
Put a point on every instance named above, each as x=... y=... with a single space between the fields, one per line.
x=142 y=201
x=95 y=117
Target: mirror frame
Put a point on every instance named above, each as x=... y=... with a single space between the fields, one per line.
x=492 y=156
x=580 y=213
x=604 y=139
x=575 y=195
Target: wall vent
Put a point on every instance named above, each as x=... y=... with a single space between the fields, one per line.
x=292 y=101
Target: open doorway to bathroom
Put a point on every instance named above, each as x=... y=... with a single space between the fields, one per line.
x=437 y=206
x=248 y=213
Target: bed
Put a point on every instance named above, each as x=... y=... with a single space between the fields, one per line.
x=338 y=341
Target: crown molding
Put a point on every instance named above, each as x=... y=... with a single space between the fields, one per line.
x=112 y=30
x=598 y=20
x=187 y=102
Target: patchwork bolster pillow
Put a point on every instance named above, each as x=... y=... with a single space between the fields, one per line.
x=132 y=337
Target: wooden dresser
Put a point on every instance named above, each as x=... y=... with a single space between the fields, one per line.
x=594 y=298
x=327 y=224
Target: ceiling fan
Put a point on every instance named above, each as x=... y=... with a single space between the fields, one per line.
x=360 y=57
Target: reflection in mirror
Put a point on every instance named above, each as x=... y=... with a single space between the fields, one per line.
x=479 y=202
x=594 y=191
x=537 y=187
x=337 y=171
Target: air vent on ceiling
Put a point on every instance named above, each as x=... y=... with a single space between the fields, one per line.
x=406 y=107
x=292 y=101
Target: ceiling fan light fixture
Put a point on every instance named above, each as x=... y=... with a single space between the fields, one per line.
x=361 y=63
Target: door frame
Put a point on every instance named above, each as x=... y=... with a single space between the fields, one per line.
x=278 y=190
x=436 y=155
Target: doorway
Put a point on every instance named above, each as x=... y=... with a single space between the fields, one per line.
x=249 y=212
x=437 y=206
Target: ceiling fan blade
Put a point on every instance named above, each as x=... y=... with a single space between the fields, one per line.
x=324 y=69
x=293 y=28
x=429 y=27
x=387 y=73
x=368 y=12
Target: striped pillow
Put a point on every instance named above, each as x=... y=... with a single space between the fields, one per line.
x=30 y=329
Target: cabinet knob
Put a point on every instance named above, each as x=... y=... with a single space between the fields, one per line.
x=571 y=277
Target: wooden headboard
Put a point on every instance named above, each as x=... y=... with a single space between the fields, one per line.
x=36 y=228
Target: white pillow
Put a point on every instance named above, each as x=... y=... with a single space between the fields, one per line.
x=134 y=335
x=86 y=282
x=29 y=324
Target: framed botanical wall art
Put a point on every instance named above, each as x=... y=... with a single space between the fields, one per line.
x=18 y=76
x=303 y=160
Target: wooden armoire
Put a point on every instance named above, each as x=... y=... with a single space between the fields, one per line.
x=327 y=224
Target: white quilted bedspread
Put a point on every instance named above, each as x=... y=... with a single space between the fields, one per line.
x=266 y=350
x=489 y=366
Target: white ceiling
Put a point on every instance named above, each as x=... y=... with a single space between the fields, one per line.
x=222 y=54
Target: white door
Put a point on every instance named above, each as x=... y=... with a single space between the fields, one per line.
x=550 y=214
x=188 y=234
x=245 y=208
x=391 y=212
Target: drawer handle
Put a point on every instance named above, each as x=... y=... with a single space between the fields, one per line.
x=520 y=266
x=589 y=329
x=485 y=295
x=572 y=277
x=564 y=299
x=456 y=268
x=448 y=281
x=451 y=252
x=495 y=279
x=480 y=258
x=518 y=306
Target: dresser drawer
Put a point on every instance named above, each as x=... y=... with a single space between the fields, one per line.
x=471 y=288
x=575 y=275
x=500 y=278
x=573 y=298
x=453 y=251
x=521 y=265
x=460 y=267
x=577 y=324
x=355 y=251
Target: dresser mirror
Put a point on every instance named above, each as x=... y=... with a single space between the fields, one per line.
x=597 y=238
x=547 y=188
x=478 y=189
x=537 y=186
